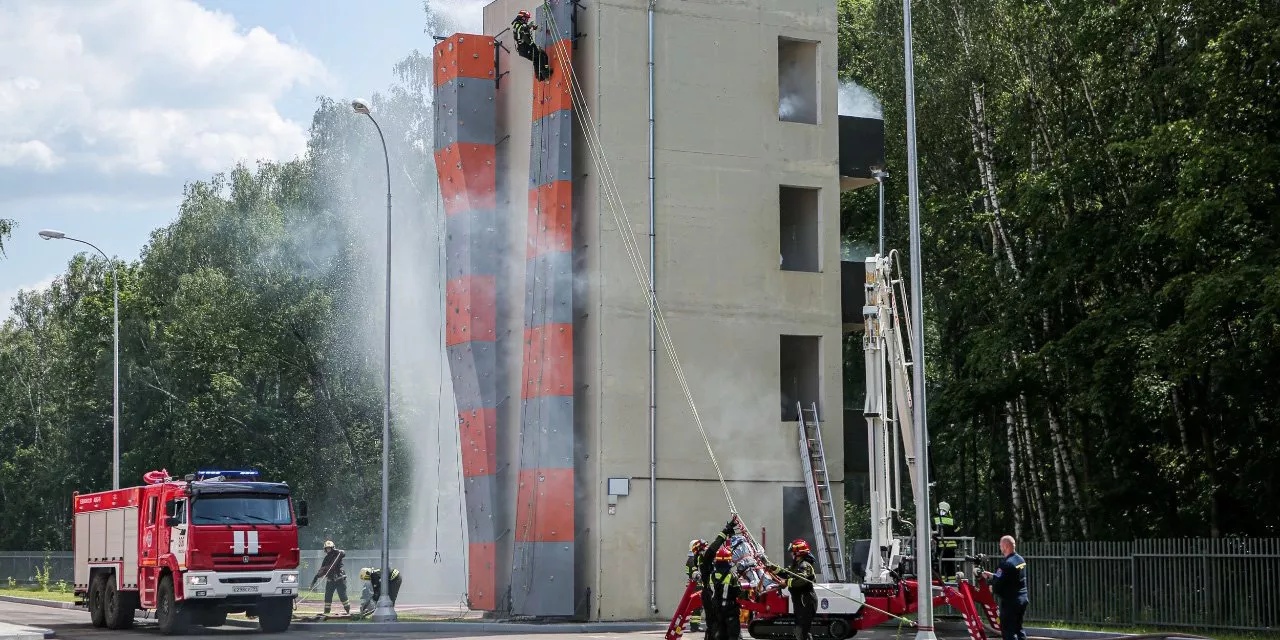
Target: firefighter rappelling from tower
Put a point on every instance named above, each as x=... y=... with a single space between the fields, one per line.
x=522 y=29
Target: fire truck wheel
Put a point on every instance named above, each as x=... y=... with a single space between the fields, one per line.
x=275 y=614
x=839 y=629
x=118 y=605
x=97 y=612
x=172 y=615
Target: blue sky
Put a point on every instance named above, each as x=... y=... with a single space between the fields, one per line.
x=108 y=108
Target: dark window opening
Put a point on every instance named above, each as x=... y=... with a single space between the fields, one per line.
x=800 y=374
x=797 y=81
x=798 y=242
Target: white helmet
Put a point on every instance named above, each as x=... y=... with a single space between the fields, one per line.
x=944 y=507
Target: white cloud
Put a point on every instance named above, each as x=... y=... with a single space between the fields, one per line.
x=7 y=298
x=152 y=86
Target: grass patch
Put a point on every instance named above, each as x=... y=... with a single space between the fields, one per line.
x=38 y=593
x=1207 y=633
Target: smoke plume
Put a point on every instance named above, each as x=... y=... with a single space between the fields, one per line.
x=857 y=101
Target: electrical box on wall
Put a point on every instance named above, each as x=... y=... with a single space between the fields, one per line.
x=617 y=487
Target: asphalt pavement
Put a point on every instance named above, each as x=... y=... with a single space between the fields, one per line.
x=72 y=624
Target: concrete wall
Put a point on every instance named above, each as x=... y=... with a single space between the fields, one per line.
x=721 y=155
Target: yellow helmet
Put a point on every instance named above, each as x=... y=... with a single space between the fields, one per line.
x=365 y=573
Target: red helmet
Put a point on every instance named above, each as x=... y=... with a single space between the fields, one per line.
x=524 y=15
x=724 y=554
x=799 y=546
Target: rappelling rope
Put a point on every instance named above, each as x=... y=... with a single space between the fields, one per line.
x=623 y=223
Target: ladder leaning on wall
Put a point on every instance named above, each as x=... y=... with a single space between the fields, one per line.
x=828 y=547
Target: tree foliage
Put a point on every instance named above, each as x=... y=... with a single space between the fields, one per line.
x=1098 y=186
x=245 y=339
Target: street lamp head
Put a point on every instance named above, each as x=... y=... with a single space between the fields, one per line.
x=50 y=234
x=360 y=106
x=880 y=174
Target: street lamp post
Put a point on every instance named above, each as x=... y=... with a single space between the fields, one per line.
x=924 y=565
x=50 y=234
x=385 y=611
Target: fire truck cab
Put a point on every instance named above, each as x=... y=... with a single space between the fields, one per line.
x=192 y=550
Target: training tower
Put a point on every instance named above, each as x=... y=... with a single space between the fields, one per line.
x=585 y=471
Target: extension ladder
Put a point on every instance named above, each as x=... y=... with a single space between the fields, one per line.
x=826 y=528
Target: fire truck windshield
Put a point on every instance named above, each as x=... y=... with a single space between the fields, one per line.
x=233 y=508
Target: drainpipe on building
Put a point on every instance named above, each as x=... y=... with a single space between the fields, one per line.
x=653 y=353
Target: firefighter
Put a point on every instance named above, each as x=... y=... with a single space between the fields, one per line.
x=1009 y=582
x=335 y=577
x=799 y=577
x=944 y=526
x=374 y=576
x=523 y=28
x=691 y=569
x=711 y=613
x=724 y=588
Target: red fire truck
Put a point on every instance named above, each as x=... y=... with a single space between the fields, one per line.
x=192 y=550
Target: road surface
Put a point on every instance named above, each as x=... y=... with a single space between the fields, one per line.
x=71 y=624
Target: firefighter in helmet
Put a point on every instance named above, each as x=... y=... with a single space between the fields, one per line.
x=944 y=526
x=724 y=590
x=522 y=29
x=335 y=577
x=799 y=577
x=374 y=576
x=691 y=570
x=707 y=562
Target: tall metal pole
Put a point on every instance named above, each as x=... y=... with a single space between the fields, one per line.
x=653 y=347
x=880 y=176
x=115 y=378
x=49 y=234
x=923 y=561
x=385 y=611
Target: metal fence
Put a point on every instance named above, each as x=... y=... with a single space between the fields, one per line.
x=1224 y=583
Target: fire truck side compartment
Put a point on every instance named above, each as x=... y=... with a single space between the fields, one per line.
x=107 y=538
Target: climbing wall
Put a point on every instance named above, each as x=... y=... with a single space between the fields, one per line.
x=465 y=135
x=542 y=580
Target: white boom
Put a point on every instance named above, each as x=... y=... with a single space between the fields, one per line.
x=882 y=316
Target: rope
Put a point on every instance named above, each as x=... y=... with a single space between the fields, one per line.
x=444 y=355
x=623 y=222
x=537 y=231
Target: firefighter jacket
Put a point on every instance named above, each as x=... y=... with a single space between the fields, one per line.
x=724 y=587
x=708 y=558
x=801 y=575
x=331 y=566
x=945 y=527
x=1010 y=579
x=691 y=565
x=523 y=31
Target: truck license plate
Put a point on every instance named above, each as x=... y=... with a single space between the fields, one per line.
x=244 y=589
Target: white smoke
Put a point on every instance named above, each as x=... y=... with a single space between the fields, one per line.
x=857 y=101
x=460 y=16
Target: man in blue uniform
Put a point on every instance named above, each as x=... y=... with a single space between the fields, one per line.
x=1009 y=583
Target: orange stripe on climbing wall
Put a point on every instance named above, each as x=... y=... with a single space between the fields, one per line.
x=463 y=55
x=550 y=218
x=548 y=361
x=477 y=430
x=550 y=494
x=470 y=309
x=482 y=570
x=467 y=177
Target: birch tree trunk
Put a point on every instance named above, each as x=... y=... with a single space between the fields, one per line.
x=1015 y=485
x=1033 y=473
